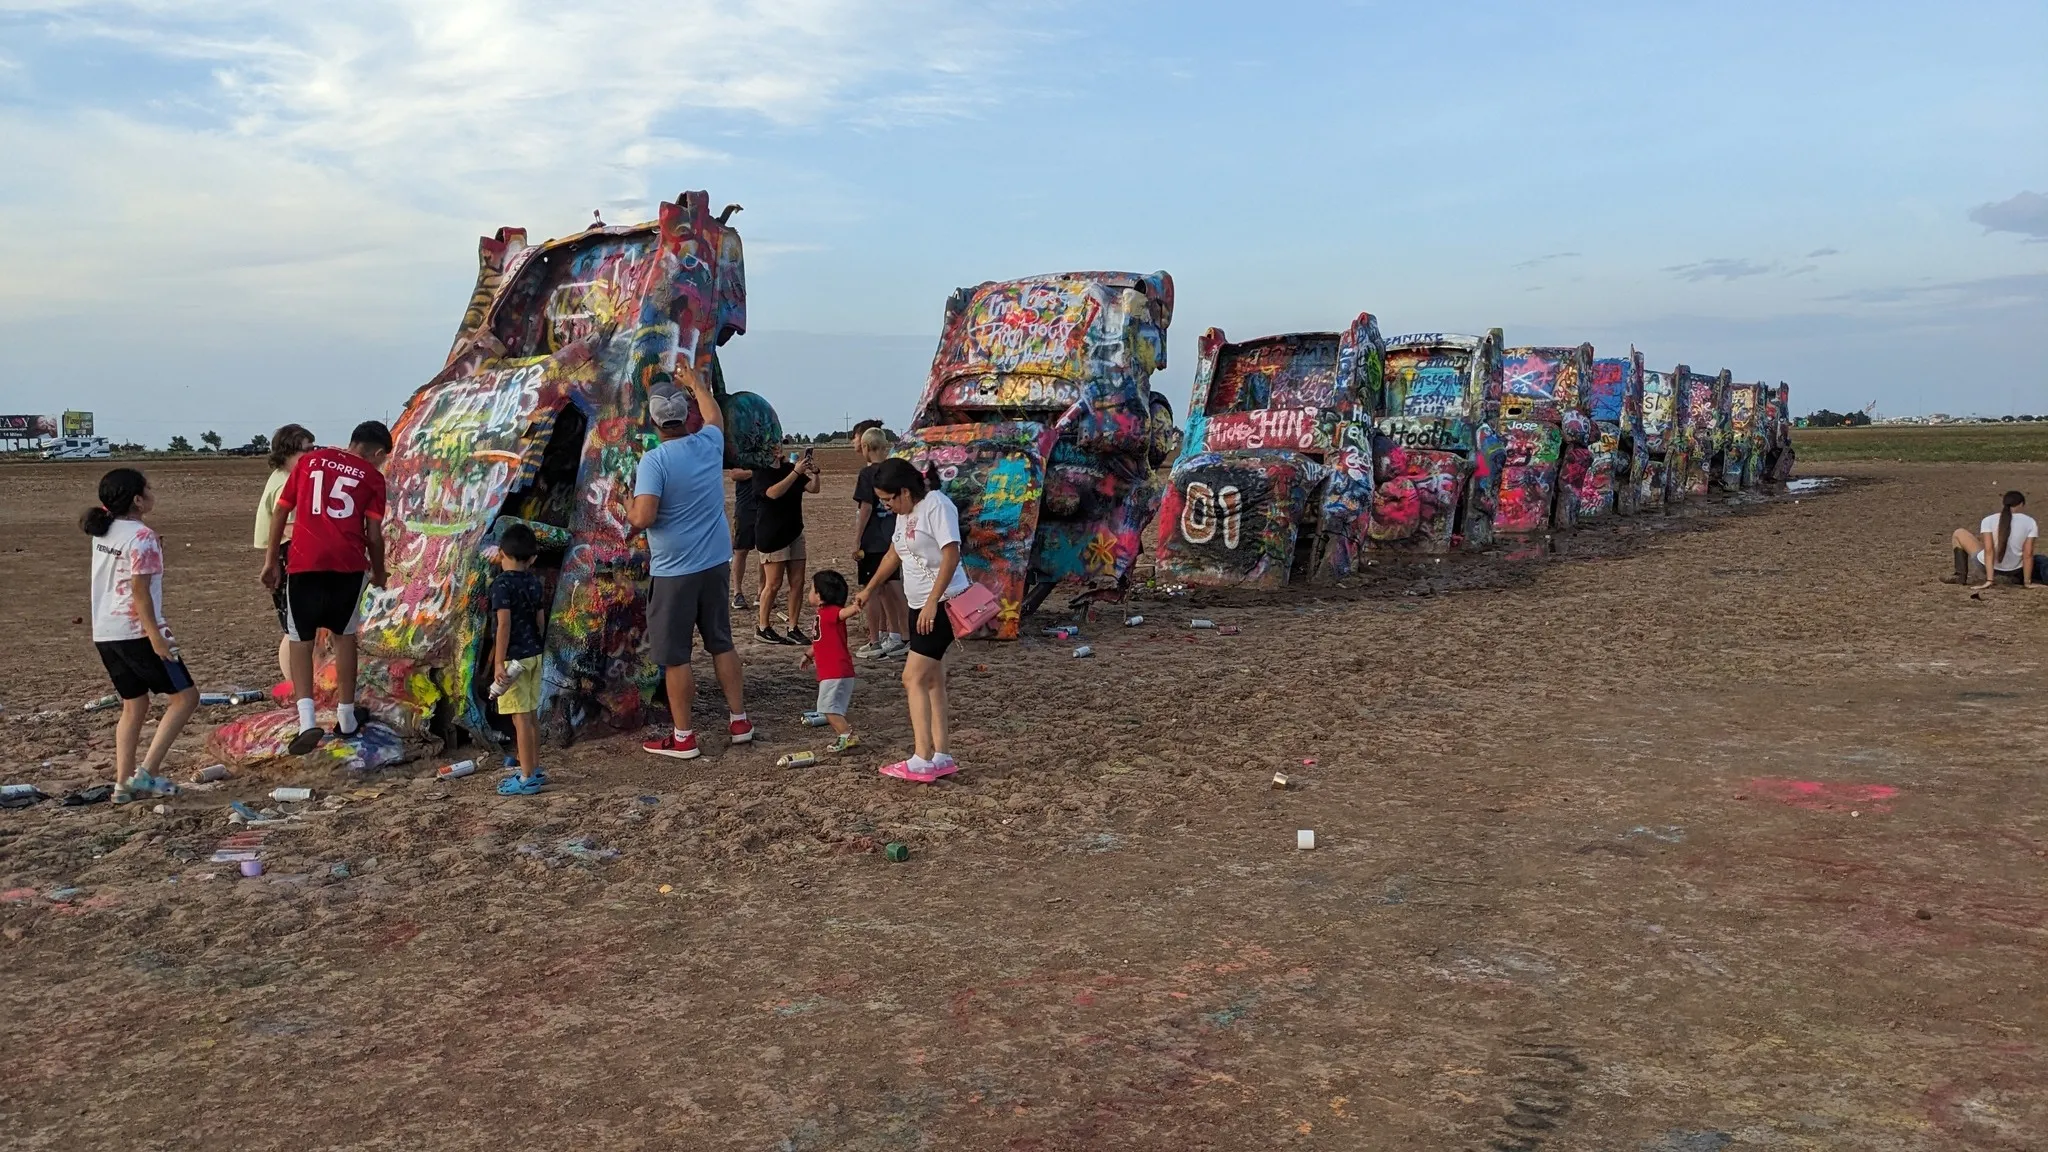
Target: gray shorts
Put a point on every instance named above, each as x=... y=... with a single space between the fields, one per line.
x=835 y=695
x=677 y=605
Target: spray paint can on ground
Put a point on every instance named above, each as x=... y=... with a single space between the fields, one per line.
x=291 y=795
x=457 y=770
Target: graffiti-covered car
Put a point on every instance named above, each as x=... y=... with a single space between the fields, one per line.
x=1742 y=462
x=1546 y=431
x=1040 y=419
x=1778 y=459
x=1274 y=481
x=540 y=417
x=1436 y=456
x=1613 y=481
x=1663 y=446
x=1701 y=402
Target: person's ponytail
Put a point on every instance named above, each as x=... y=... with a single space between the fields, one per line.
x=2011 y=501
x=931 y=476
x=119 y=489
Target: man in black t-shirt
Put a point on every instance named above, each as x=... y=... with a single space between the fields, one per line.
x=744 y=513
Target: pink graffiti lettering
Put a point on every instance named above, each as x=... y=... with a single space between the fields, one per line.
x=1270 y=428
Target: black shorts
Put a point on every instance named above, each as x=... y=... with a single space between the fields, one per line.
x=679 y=605
x=284 y=555
x=137 y=670
x=746 y=509
x=935 y=642
x=316 y=600
x=865 y=563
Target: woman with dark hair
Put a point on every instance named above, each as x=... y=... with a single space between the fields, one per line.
x=2008 y=535
x=287 y=444
x=925 y=547
x=131 y=633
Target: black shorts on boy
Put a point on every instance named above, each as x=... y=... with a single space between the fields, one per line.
x=137 y=670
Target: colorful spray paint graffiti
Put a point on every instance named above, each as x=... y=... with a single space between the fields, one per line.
x=1701 y=402
x=540 y=417
x=1040 y=417
x=1779 y=460
x=1541 y=483
x=1615 y=480
x=1437 y=456
x=1274 y=482
x=1663 y=446
x=1742 y=463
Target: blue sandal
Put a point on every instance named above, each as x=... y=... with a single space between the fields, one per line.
x=522 y=785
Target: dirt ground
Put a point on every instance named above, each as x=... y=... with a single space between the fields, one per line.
x=1721 y=830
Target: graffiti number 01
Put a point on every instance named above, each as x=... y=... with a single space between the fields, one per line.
x=335 y=502
x=1204 y=511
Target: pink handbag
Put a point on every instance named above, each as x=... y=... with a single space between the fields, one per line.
x=972 y=608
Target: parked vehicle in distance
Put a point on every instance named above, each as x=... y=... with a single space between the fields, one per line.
x=79 y=448
x=1274 y=482
x=1701 y=401
x=1436 y=456
x=1546 y=428
x=1614 y=477
x=1663 y=443
x=1039 y=416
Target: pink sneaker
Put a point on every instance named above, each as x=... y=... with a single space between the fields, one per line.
x=742 y=731
x=943 y=764
x=668 y=745
x=901 y=771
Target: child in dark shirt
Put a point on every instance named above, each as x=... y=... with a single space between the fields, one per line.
x=518 y=602
x=833 y=659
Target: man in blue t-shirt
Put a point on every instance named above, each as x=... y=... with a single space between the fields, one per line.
x=679 y=499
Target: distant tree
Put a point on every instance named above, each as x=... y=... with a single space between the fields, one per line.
x=259 y=440
x=130 y=446
x=211 y=440
x=180 y=444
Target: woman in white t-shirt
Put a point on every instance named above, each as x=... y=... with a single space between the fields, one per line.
x=2008 y=534
x=131 y=632
x=925 y=547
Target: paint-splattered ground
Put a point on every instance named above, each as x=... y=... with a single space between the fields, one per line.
x=1721 y=831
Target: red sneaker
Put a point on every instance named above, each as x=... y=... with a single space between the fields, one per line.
x=742 y=731
x=668 y=745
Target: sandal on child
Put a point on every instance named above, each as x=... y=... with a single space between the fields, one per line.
x=844 y=743
x=144 y=786
x=901 y=770
x=521 y=785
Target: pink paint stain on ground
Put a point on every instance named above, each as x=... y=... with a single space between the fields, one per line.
x=1816 y=796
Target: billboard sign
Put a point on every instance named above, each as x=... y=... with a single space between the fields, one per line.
x=77 y=423
x=27 y=427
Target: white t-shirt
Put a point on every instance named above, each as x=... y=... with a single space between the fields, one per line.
x=920 y=538
x=128 y=550
x=2023 y=529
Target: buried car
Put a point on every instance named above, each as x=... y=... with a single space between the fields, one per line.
x=1743 y=460
x=1436 y=457
x=1614 y=477
x=1274 y=482
x=1040 y=420
x=539 y=417
x=1701 y=402
x=1545 y=428
x=1663 y=447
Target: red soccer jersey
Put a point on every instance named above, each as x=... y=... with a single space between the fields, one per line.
x=337 y=498
x=834 y=661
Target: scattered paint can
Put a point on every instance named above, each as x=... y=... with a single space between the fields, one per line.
x=1305 y=840
x=1133 y=621
x=1227 y=630
x=246 y=695
x=212 y=699
x=896 y=853
x=797 y=760
x=1083 y=652
x=1201 y=623
x=209 y=774
x=456 y=771
x=1280 y=780
x=291 y=795
x=252 y=868
x=815 y=720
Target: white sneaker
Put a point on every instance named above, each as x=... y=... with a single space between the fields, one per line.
x=894 y=646
x=868 y=651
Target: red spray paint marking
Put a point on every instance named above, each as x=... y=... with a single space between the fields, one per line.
x=1815 y=796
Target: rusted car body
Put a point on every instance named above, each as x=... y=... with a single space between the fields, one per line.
x=1742 y=462
x=1274 y=482
x=1039 y=417
x=1614 y=479
x=1701 y=401
x=1663 y=445
x=1437 y=458
x=1546 y=426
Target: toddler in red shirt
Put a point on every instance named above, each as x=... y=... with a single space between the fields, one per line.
x=833 y=658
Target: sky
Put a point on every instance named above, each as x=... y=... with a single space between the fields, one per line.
x=224 y=215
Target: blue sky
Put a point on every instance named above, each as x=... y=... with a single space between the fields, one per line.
x=226 y=214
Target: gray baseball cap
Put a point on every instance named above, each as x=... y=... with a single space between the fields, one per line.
x=673 y=408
